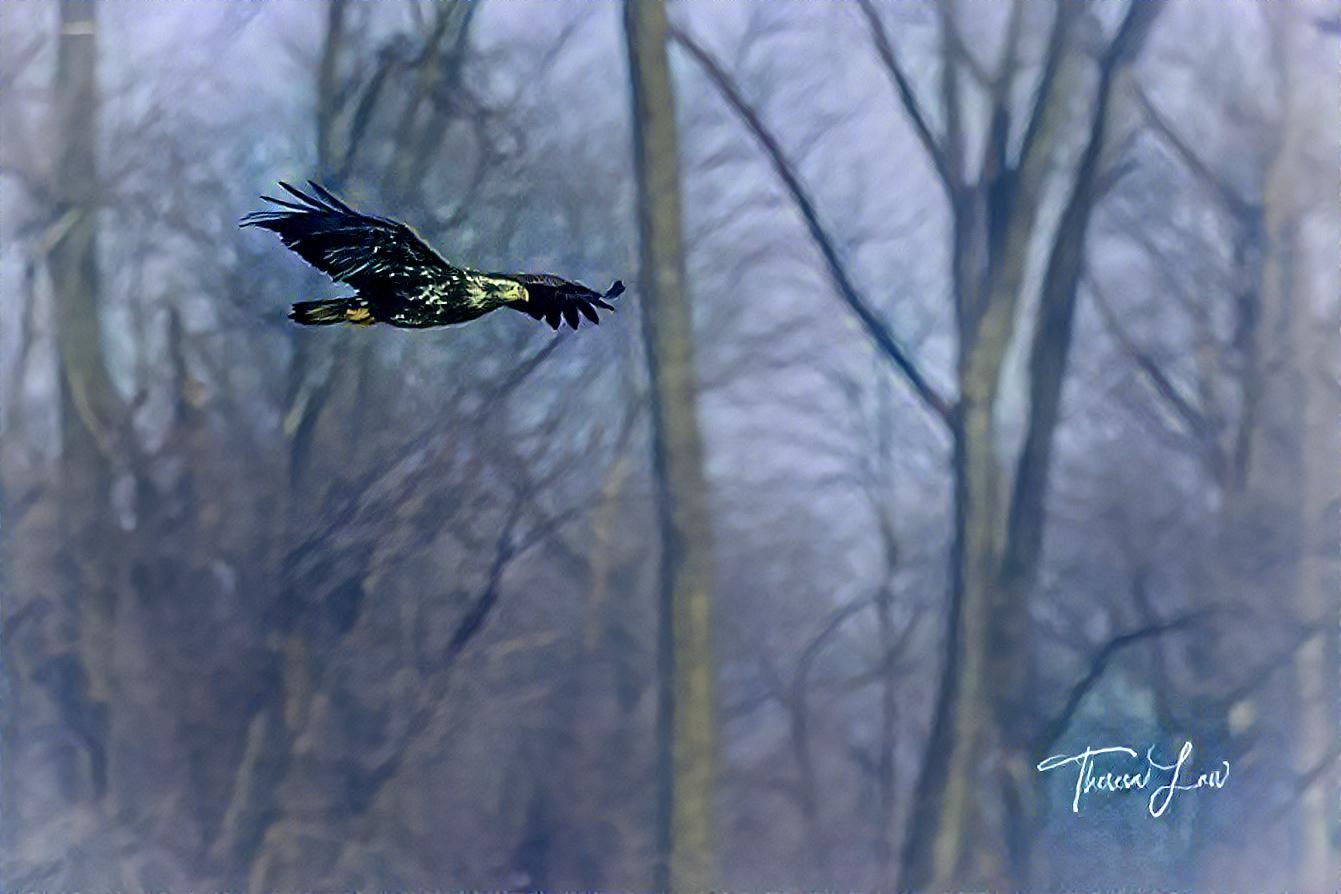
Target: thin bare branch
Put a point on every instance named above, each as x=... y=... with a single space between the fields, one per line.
x=1194 y=419
x=1215 y=183
x=950 y=92
x=1053 y=729
x=876 y=328
x=1052 y=63
x=1057 y=302
x=995 y=162
x=885 y=50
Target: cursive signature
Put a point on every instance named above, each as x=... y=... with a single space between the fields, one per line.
x=1092 y=776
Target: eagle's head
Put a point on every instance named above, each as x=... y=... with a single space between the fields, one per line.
x=500 y=291
x=512 y=292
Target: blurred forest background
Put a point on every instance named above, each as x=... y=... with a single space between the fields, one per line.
x=1005 y=422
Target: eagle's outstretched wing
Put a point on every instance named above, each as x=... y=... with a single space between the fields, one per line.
x=554 y=299
x=358 y=249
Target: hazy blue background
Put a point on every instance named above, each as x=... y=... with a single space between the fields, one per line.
x=288 y=526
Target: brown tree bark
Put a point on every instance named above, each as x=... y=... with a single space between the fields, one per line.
x=88 y=402
x=687 y=715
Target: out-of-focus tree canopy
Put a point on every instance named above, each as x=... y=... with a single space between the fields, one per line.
x=1014 y=361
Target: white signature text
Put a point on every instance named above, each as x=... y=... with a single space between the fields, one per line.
x=1116 y=768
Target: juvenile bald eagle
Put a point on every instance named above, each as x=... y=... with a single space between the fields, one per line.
x=399 y=279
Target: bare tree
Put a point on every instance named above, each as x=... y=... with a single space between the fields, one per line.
x=996 y=542
x=89 y=407
x=1255 y=415
x=687 y=711
x=382 y=611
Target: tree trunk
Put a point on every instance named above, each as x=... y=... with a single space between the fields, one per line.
x=256 y=842
x=1319 y=658
x=1298 y=408
x=687 y=712
x=87 y=400
x=980 y=734
x=998 y=520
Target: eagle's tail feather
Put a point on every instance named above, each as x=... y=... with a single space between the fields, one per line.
x=334 y=310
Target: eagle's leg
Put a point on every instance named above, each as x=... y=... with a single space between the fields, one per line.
x=335 y=310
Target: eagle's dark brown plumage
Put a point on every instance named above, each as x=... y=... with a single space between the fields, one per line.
x=400 y=280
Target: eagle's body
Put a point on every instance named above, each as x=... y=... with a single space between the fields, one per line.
x=454 y=295
x=400 y=280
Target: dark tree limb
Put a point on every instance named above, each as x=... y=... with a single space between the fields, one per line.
x=1053 y=729
x=884 y=49
x=1193 y=418
x=473 y=621
x=1052 y=333
x=876 y=328
x=1215 y=183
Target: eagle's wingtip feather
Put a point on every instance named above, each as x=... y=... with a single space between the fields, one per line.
x=330 y=198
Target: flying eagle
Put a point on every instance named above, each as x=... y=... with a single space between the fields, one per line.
x=399 y=279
